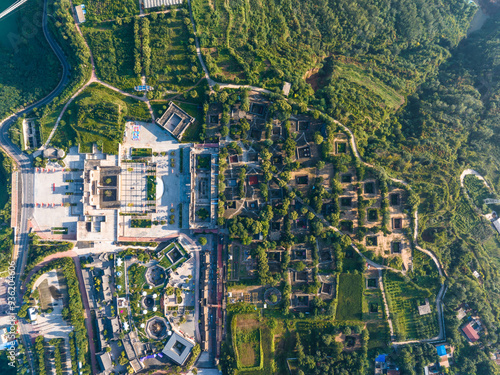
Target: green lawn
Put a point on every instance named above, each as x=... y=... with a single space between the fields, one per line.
x=193 y=132
x=350 y=297
x=98 y=115
x=355 y=73
x=165 y=262
x=403 y=298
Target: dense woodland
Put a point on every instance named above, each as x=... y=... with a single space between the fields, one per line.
x=421 y=102
x=452 y=122
x=30 y=70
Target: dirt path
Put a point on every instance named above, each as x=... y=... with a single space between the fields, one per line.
x=474 y=173
x=93 y=79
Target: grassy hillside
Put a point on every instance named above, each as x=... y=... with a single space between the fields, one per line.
x=98 y=115
x=356 y=61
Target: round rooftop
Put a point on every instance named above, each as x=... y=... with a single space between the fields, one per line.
x=157 y=328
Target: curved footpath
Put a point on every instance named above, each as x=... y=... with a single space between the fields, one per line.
x=439 y=298
x=23 y=162
x=474 y=173
x=379 y=267
x=93 y=78
x=25 y=170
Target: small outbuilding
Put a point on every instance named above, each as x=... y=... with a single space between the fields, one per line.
x=80 y=13
x=470 y=333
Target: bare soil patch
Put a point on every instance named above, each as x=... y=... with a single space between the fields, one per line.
x=247 y=323
x=247 y=354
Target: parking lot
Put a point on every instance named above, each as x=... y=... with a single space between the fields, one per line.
x=58 y=193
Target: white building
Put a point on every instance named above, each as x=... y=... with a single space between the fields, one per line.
x=33 y=315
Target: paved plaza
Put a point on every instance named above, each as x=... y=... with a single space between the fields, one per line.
x=57 y=192
x=52 y=325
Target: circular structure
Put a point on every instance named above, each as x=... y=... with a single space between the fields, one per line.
x=272 y=296
x=156 y=276
x=159 y=188
x=148 y=302
x=157 y=328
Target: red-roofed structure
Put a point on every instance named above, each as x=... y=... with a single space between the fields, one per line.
x=253 y=180
x=470 y=333
x=393 y=372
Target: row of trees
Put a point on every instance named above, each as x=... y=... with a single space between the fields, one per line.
x=6 y=234
x=146 y=49
x=137 y=48
x=56 y=343
x=40 y=354
x=39 y=250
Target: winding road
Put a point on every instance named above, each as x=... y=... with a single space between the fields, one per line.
x=26 y=173
x=26 y=185
x=352 y=140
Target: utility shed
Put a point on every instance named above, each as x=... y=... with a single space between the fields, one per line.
x=80 y=13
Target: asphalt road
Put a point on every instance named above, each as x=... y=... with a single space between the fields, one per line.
x=24 y=161
x=25 y=171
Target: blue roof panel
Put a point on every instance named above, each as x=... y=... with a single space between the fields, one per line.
x=441 y=350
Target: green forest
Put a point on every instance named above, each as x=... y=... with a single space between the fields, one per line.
x=30 y=70
x=421 y=98
x=6 y=232
x=355 y=61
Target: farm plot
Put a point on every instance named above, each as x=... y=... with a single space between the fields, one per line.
x=350 y=297
x=425 y=272
x=403 y=298
x=247 y=344
x=113 y=46
x=466 y=221
x=373 y=306
x=379 y=334
x=476 y=189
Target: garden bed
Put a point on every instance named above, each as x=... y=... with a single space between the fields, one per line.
x=141 y=223
x=350 y=297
